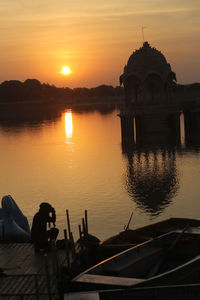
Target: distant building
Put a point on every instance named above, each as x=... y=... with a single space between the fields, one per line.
x=147 y=78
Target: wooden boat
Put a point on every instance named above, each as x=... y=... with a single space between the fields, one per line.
x=172 y=258
x=129 y=238
x=144 y=233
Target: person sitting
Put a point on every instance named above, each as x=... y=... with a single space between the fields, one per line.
x=42 y=237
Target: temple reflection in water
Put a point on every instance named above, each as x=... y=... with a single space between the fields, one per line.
x=151 y=177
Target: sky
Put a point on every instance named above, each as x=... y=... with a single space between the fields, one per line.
x=95 y=38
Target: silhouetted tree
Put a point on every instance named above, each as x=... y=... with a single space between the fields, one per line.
x=11 y=91
x=81 y=92
x=32 y=90
x=102 y=91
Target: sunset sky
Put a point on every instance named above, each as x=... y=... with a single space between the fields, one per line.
x=95 y=38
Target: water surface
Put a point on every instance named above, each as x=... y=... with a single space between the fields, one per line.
x=74 y=159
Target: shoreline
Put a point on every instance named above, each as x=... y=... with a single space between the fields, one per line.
x=73 y=101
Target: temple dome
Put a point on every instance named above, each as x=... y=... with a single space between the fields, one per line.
x=147 y=77
x=144 y=61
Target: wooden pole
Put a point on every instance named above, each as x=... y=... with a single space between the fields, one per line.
x=83 y=225
x=73 y=245
x=80 y=233
x=68 y=222
x=127 y=227
x=86 y=222
x=67 y=248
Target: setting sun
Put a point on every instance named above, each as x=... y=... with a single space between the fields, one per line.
x=66 y=70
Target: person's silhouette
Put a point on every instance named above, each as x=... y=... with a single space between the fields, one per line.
x=42 y=237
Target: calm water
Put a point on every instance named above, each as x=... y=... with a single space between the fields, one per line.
x=74 y=160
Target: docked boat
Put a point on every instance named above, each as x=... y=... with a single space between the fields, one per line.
x=172 y=258
x=98 y=251
x=142 y=234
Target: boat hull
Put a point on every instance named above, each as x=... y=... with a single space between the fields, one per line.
x=136 y=266
x=93 y=253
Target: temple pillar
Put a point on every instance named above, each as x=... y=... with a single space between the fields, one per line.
x=127 y=128
x=192 y=127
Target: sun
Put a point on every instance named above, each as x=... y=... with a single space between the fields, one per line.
x=66 y=70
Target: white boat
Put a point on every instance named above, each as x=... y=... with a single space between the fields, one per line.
x=171 y=258
x=14 y=226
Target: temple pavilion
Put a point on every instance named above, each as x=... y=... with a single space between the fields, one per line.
x=147 y=77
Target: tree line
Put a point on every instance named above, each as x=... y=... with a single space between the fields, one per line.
x=33 y=90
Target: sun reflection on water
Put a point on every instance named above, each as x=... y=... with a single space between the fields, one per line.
x=68 y=127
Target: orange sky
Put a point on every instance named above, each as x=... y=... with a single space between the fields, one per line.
x=95 y=38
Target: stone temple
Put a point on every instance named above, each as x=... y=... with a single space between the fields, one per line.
x=147 y=78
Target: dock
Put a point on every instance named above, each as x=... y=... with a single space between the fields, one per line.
x=29 y=275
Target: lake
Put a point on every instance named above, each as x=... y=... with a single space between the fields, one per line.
x=74 y=159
